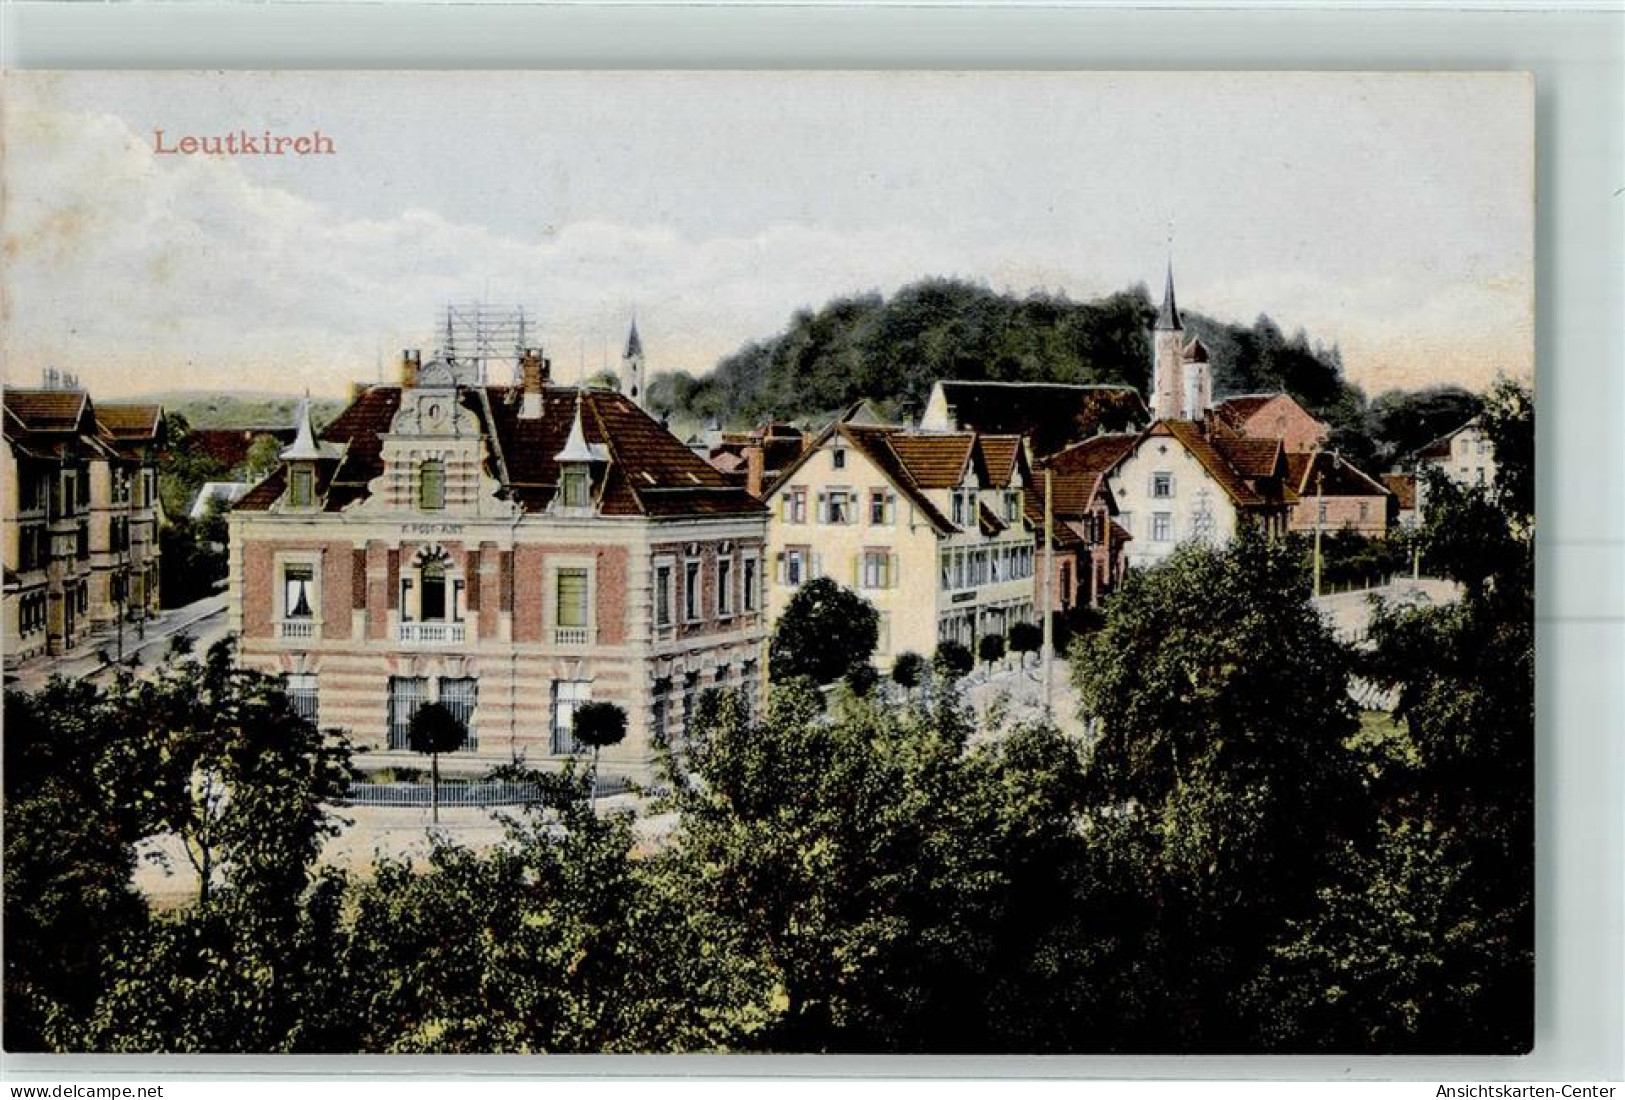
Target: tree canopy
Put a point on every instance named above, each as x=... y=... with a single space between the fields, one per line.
x=826 y=631
x=891 y=349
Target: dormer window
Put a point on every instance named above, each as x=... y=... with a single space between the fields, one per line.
x=301 y=487
x=432 y=485
x=574 y=484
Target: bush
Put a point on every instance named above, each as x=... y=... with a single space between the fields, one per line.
x=862 y=679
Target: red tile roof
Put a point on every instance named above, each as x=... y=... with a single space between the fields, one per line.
x=937 y=460
x=49 y=410
x=131 y=422
x=1252 y=458
x=877 y=445
x=648 y=471
x=1403 y=486
x=229 y=446
x=1094 y=455
x=996 y=458
x=1338 y=476
x=1200 y=446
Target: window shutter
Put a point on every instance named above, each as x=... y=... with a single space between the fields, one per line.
x=893 y=568
x=817 y=569
x=779 y=567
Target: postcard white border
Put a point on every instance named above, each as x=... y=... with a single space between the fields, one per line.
x=1578 y=58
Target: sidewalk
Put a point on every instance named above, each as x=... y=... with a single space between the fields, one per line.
x=205 y=620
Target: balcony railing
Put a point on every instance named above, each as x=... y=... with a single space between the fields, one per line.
x=296 y=628
x=432 y=633
x=569 y=635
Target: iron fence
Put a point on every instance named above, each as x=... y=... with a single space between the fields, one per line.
x=490 y=793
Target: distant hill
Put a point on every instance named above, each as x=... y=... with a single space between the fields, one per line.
x=891 y=350
x=242 y=409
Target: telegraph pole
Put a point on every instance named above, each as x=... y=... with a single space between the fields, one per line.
x=1049 y=591
x=1319 y=477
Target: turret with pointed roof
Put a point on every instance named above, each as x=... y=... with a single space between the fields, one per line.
x=1167 y=397
x=1168 y=316
x=632 y=373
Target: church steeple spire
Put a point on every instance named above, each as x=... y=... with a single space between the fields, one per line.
x=1168 y=317
x=632 y=368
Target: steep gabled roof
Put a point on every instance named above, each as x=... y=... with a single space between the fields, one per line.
x=995 y=458
x=1338 y=476
x=1093 y=455
x=1239 y=408
x=936 y=460
x=1251 y=458
x=1440 y=447
x=50 y=411
x=131 y=422
x=1194 y=440
x=1050 y=414
x=876 y=444
x=645 y=470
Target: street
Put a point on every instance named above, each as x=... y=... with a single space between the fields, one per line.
x=204 y=620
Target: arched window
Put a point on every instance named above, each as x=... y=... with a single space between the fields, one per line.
x=432 y=485
x=432 y=594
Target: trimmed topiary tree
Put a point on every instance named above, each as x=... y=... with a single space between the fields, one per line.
x=952 y=660
x=1026 y=638
x=598 y=724
x=907 y=670
x=434 y=730
x=990 y=649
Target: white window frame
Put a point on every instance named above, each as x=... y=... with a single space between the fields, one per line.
x=311 y=559
x=878 y=576
x=750 y=582
x=550 y=609
x=693 y=590
x=1162 y=527
x=725 y=573
x=665 y=609
x=795 y=504
x=1162 y=485
x=566 y=697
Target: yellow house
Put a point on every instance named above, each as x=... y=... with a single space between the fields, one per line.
x=927 y=526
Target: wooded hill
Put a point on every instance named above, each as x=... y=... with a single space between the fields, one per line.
x=891 y=350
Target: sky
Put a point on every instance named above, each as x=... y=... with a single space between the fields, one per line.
x=1391 y=215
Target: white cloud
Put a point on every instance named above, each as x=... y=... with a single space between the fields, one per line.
x=144 y=272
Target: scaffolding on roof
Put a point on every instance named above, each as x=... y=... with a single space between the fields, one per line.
x=482 y=334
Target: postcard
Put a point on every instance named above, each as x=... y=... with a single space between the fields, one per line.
x=768 y=562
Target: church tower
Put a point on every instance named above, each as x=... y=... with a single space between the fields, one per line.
x=1167 y=357
x=632 y=380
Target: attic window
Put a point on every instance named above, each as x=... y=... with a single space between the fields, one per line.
x=432 y=485
x=574 y=485
x=838 y=457
x=301 y=487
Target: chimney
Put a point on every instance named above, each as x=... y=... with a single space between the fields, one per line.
x=411 y=359
x=755 y=463
x=534 y=371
